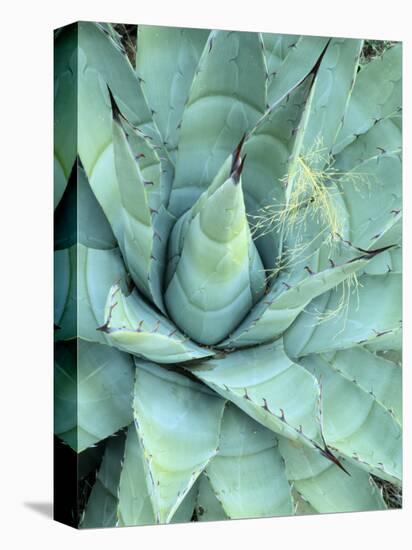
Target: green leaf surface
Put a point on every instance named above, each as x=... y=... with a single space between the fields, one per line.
x=80 y=218
x=324 y=110
x=65 y=293
x=65 y=107
x=378 y=377
x=371 y=438
x=129 y=180
x=208 y=506
x=166 y=61
x=276 y=48
x=185 y=512
x=97 y=383
x=377 y=94
x=267 y=149
x=219 y=274
x=226 y=99
x=301 y=507
x=248 y=475
x=101 y=55
x=384 y=136
x=269 y=387
x=101 y=508
x=301 y=58
x=137 y=234
x=179 y=438
x=134 y=326
x=98 y=270
x=102 y=65
x=385 y=262
x=134 y=504
x=289 y=296
x=343 y=317
x=144 y=185
x=323 y=486
x=376 y=182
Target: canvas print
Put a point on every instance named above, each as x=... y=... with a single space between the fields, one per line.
x=228 y=271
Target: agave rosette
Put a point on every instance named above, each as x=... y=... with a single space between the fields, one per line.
x=228 y=273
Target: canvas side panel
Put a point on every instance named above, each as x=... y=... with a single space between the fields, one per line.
x=66 y=492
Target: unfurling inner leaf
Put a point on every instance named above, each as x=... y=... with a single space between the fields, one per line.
x=219 y=274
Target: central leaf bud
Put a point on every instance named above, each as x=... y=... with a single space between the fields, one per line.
x=215 y=274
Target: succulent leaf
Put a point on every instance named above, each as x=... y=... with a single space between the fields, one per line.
x=371 y=439
x=80 y=218
x=248 y=474
x=208 y=506
x=97 y=383
x=65 y=99
x=166 y=62
x=276 y=48
x=132 y=325
x=286 y=300
x=97 y=271
x=101 y=508
x=267 y=148
x=65 y=293
x=383 y=137
x=259 y=381
x=325 y=108
x=323 y=486
x=219 y=274
x=389 y=260
x=113 y=182
x=379 y=182
x=375 y=375
x=98 y=55
x=301 y=58
x=175 y=453
x=377 y=94
x=342 y=317
x=139 y=207
x=226 y=99
x=134 y=506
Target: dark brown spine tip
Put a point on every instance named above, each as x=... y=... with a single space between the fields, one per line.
x=236 y=153
x=115 y=109
x=330 y=456
x=237 y=170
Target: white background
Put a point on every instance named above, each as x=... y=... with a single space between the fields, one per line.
x=26 y=269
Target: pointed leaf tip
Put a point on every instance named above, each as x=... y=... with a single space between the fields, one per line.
x=237 y=170
x=330 y=456
x=236 y=158
x=115 y=109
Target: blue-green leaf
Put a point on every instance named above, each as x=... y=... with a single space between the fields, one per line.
x=97 y=382
x=269 y=387
x=132 y=325
x=226 y=99
x=101 y=508
x=371 y=438
x=219 y=274
x=65 y=105
x=325 y=487
x=377 y=94
x=166 y=61
x=248 y=474
x=179 y=438
x=301 y=58
x=343 y=317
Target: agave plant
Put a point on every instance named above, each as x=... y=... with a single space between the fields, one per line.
x=228 y=273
